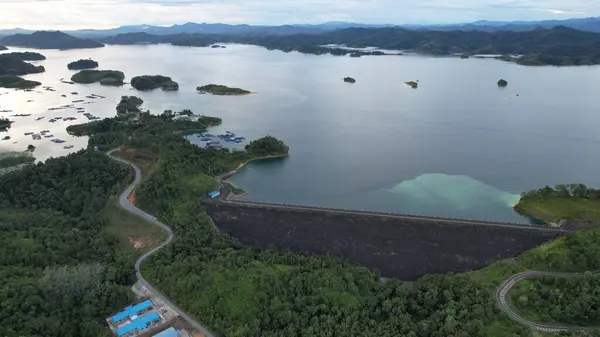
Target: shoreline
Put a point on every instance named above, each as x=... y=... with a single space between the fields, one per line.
x=224 y=177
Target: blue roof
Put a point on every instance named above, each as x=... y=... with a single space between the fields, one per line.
x=131 y=310
x=214 y=193
x=139 y=324
x=170 y=332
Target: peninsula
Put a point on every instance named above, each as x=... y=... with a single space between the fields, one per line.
x=576 y=203
x=25 y=56
x=151 y=82
x=217 y=89
x=105 y=77
x=82 y=64
x=13 y=66
x=16 y=82
x=48 y=40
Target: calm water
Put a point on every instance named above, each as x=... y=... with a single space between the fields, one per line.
x=457 y=146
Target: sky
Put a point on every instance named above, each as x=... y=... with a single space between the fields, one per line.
x=100 y=14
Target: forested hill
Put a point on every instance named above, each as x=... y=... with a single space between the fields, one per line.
x=48 y=40
x=556 y=46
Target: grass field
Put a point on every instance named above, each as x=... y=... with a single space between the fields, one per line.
x=135 y=235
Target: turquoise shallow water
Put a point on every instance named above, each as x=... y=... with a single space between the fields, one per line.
x=456 y=146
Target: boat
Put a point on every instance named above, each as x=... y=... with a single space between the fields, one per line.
x=6 y=138
x=68 y=147
x=39 y=118
x=28 y=133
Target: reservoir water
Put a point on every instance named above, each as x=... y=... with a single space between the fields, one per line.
x=457 y=146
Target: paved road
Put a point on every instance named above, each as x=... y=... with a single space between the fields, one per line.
x=126 y=205
x=510 y=282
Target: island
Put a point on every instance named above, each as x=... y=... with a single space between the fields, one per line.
x=575 y=203
x=412 y=84
x=14 y=66
x=151 y=82
x=25 y=56
x=82 y=64
x=128 y=105
x=502 y=83
x=16 y=82
x=105 y=77
x=5 y=123
x=48 y=40
x=349 y=80
x=216 y=89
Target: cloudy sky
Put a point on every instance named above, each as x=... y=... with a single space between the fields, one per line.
x=75 y=14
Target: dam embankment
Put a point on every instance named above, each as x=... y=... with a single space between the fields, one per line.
x=404 y=247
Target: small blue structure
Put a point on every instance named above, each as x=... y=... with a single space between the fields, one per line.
x=139 y=324
x=170 y=332
x=96 y=148
x=214 y=194
x=131 y=310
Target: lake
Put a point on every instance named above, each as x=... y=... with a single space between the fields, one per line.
x=457 y=146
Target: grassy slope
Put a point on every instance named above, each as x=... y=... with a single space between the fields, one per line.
x=554 y=209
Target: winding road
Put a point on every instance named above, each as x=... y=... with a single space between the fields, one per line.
x=510 y=282
x=126 y=205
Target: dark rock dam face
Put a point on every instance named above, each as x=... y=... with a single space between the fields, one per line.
x=402 y=248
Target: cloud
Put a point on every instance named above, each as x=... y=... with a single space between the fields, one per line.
x=74 y=14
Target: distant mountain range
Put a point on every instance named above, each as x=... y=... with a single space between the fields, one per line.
x=585 y=24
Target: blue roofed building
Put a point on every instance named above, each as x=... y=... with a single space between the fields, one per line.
x=138 y=325
x=131 y=311
x=170 y=332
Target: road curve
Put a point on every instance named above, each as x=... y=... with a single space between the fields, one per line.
x=126 y=205
x=510 y=282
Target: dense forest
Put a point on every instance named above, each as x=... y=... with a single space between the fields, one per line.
x=267 y=146
x=61 y=273
x=574 y=300
x=555 y=46
x=564 y=191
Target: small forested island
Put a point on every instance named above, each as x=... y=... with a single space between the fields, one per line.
x=82 y=64
x=26 y=56
x=151 y=82
x=217 y=89
x=5 y=123
x=502 y=83
x=349 y=80
x=48 y=40
x=412 y=84
x=105 y=77
x=16 y=82
x=13 y=66
x=574 y=202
